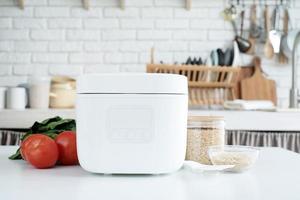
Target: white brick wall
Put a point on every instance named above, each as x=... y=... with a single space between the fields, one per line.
x=59 y=37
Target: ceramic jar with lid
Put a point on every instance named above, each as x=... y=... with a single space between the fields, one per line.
x=62 y=92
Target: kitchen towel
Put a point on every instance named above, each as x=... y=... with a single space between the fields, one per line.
x=239 y=104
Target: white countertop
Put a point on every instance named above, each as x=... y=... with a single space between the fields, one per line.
x=235 y=120
x=276 y=176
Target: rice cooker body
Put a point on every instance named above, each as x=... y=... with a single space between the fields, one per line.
x=129 y=132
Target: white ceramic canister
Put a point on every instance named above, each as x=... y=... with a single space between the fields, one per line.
x=131 y=123
x=39 y=92
x=16 y=98
x=62 y=92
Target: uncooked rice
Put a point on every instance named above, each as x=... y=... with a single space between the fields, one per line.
x=241 y=161
x=199 y=140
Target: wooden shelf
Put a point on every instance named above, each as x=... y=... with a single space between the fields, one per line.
x=20 y=119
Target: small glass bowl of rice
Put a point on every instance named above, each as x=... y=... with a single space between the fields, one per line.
x=242 y=157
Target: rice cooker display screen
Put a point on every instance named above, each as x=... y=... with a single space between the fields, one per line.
x=130 y=124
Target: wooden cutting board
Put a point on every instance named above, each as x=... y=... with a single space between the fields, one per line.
x=258 y=87
x=245 y=72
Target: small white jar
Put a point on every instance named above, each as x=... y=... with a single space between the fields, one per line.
x=16 y=98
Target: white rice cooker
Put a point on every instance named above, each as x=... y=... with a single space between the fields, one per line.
x=131 y=123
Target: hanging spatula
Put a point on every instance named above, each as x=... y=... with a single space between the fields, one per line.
x=275 y=33
x=282 y=58
x=268 y=48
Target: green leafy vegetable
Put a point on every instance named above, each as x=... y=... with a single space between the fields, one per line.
x=50 y=127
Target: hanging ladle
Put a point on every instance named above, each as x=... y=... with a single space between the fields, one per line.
x=230 y=15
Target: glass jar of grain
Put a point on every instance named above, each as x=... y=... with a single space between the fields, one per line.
x=203 y=132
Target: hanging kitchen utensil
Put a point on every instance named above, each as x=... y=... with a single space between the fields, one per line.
x=258 y=87
x=86 y=4
x=268 y=48
x=263 y=34
x=21 y=4
x=122 y=4
x=188 y=4
x=152 y=55
x=254 y=31
x=282 y=58
x=243 y=44
x=242 y=19
x=230 y=15
x=275 y=33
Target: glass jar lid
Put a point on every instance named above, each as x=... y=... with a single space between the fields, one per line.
x=206 y=122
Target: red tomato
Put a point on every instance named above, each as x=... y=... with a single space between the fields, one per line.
x=23 y=146
x=40 y=150
x=66 y=142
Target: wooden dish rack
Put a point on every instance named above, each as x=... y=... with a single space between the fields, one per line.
x=208 y=85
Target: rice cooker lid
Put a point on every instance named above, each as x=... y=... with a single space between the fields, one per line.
x=132 y=83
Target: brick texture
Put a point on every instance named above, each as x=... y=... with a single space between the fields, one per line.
x=59 y=37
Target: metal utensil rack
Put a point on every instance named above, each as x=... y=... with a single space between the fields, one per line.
x=247 y=3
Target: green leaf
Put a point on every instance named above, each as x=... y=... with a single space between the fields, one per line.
x=16 y=156
x=57 y=124
x=47 y=121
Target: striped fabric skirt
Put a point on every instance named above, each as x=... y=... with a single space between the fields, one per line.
x=287 y=140
x=11 y=137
